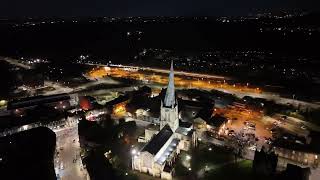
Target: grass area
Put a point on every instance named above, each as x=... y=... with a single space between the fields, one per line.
x=202 y=156
x=240 y=170
x=212 y=162
x=180 y=169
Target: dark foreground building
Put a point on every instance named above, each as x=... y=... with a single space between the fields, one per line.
x=28 y=155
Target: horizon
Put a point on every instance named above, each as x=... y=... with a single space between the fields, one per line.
x=125 y=8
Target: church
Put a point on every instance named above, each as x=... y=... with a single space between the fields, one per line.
x=164 y=143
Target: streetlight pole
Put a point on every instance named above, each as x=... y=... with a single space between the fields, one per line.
x=133 y=152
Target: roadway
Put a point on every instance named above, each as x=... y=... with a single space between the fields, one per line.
x=165 y=71
x=15 y=62
x=68 y=164
x=194 y=80
x=273 y=96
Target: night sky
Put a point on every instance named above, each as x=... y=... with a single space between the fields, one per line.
x=12 y=8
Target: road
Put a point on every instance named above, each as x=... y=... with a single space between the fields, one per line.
x=68 y=164
x=15 y=62
x=156 y=77
x=59 y=88
x=164 y=71
x=273 y=96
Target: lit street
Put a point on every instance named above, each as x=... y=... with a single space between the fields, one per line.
x=68 y=164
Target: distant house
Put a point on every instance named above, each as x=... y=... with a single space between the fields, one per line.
x=216 y=123
x=118 y=104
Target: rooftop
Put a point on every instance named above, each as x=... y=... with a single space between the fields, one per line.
x=153 y=127
x=168 y=151
x=298 y=144
x=216 y=121
x=157 y=142
x=118 y=100
x=169 y=99
x=36 y=100
x=184 y=131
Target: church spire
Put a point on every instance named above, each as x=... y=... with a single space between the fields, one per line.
x=169 y=99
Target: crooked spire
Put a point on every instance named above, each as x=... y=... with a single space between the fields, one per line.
x=170 y=99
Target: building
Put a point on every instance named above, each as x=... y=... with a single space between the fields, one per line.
x=118 y=105
x=296 y=172
x=164 y=143
x=298 y=150
x=57 y=101
x=214 y=124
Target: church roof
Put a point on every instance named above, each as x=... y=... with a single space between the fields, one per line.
x=170 y=99
x=158 y=141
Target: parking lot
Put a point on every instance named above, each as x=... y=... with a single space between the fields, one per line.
x=254 y=130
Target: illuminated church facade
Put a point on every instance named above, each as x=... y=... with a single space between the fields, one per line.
x=164 y=143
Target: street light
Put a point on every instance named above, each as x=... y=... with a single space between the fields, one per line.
x=133 y=151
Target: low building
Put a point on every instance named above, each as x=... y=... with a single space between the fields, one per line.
x=118 y=105
x=58 y=101
x=216 y=124
x=298 y=151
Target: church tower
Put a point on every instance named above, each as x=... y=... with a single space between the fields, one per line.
x=169 y=105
